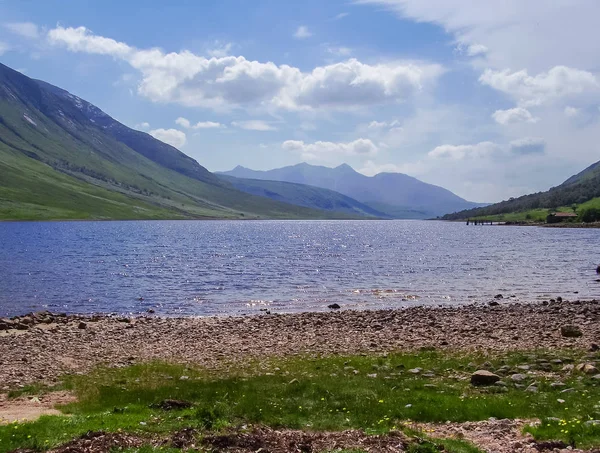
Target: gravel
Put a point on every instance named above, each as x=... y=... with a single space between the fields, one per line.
x=53 y=345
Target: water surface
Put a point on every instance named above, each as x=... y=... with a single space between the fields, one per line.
x=239 y=267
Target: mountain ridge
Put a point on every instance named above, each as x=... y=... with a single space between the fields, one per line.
x=63 y=157
x=396 y=194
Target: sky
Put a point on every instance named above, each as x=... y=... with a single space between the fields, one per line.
x=488 y=99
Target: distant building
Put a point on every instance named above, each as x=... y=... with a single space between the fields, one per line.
x=557 y=217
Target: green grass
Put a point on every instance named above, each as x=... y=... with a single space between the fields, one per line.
x=335 y=393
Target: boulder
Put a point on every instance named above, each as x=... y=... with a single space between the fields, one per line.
x=518 y=377
x=586 y=368
x=484 y=377
x=570 y=331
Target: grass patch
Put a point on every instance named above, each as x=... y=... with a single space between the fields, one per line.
x=374 y=394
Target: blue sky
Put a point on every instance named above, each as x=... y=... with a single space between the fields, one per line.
x=488 y=100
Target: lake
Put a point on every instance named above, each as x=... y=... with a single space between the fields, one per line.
x=244 y=267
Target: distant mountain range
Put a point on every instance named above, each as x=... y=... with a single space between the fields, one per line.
x=394 y=195
x=578 y=189
x=63 y=158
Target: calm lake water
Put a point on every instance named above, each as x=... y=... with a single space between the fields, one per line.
x=231 y=267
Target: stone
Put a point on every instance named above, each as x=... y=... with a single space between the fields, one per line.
x=532 y=388
x=498 y=296
x=484 y=377
x=415 y=370
x=518 y=377
x=570 y=331
x=334 y=306
x=493 y=303
x=82 y=325
x=586 y=368
x=523 y=367
x=569 y=367
x=557 y=384
x=596 y=377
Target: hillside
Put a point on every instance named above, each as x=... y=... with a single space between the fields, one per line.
x=396 y=194
x=578 y=189
x=63 y=158
x=303 y=195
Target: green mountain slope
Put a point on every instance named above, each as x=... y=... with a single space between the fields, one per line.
x=396 y=194
x=61 y=157
x=578 y=189
x=303 y=195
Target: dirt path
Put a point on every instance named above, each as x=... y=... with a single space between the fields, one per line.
x=31 y=408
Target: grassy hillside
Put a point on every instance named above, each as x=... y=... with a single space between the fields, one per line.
x=63 y=158
x=303 y=195
x=539 y=215
x=577 y=190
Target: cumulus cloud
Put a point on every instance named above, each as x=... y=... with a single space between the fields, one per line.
x=235 y=82
x=24 y=29
x=322 y=150
x=171 y=136
x=528 y=145
x=516 y=115
x=559 y=82
x=142 y=126
x=460 y=152
x=302 y=32
x=254 y=125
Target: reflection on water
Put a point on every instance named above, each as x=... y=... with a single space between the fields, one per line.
x=234 y=267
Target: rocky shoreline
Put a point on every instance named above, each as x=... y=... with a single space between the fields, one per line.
x=44 y=346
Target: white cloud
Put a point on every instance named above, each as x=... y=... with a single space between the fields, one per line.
x=254 y=125
x=208 y=125
x=515 y=115
x=571 y=111
x=231 y=82
x=559 y=82
x=4 y=48
x=184 y=122
x=323 y=150
x=339 y=51
x=171 y=136
x=518 y=34
x=302 y=32
x=80 y=39
x=383 y=124
x=24 y=29
x=220 y=49
x=460 y=152
x=341 y=16
x=476 y=49
x=142 y=126
x=528 y=145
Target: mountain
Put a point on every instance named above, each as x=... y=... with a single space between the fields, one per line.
x=63 y=158
x=303 y=195
x=396 y=194
x=578 y=189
